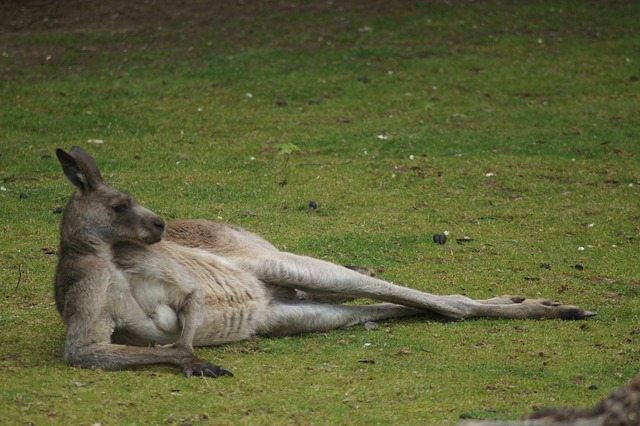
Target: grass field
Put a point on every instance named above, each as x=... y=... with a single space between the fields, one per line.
x=515 y=124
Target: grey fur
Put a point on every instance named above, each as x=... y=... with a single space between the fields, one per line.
x=133 y=290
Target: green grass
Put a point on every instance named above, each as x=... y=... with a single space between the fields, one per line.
x=515 y=124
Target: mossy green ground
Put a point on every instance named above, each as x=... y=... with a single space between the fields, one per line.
x=515 y=124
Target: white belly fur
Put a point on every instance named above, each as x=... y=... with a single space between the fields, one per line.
x=234 y=301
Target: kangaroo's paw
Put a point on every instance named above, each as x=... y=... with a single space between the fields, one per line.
x=533 y=308
x=560 y=310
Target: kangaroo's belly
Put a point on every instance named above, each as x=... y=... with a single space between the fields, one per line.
x=234 y=301
x=231 y=302
x=163 y=324
x=230 y=323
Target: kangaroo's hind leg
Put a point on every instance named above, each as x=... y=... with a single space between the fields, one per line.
x=320 y=277
x=287 y=318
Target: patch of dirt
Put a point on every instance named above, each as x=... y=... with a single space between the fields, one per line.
x=56 y=32
x=190 y=16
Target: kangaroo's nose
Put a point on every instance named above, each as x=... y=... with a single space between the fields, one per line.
x=159 y=224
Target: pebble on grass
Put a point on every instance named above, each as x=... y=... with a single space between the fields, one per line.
x=439 y=238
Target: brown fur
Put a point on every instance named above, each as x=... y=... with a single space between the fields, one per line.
x=133 y=290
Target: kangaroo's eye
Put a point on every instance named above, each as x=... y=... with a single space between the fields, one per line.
x=121 y=208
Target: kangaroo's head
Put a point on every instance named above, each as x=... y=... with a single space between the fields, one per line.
x=98 y=213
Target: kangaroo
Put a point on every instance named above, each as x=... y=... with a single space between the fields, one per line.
x=134 y=290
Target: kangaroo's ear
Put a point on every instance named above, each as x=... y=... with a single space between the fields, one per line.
x=80 y=168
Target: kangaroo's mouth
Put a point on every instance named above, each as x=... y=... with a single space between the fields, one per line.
x=153 y=232
x=152 y=240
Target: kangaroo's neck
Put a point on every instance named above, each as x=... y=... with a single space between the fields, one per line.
x=128 y=254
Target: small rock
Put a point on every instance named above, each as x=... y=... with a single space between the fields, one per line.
x=579 y=267
x=23 y=196
x=439 y=238
x=370 y=325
